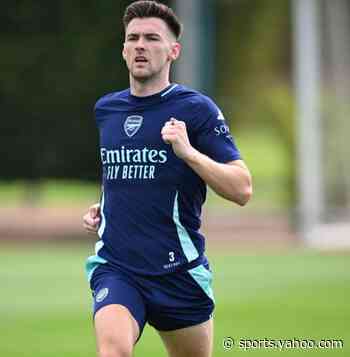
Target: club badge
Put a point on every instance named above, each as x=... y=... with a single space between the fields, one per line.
x=132 y=125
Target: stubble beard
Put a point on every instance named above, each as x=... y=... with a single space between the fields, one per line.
x=141 y=78
x=149 y=76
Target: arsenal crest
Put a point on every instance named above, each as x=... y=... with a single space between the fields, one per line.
x=132 y=124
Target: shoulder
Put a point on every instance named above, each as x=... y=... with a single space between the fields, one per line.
x=111 y=103
x=111 y=98
x=198 y=101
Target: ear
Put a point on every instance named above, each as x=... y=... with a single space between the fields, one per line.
x=175 y=51
x=124 y=52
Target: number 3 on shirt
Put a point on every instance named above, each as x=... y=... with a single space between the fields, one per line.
x=171 y=256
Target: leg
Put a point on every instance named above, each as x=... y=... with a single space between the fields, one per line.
x=116 y=331
x=193 y=341
x=119 y=312
x=181 y=311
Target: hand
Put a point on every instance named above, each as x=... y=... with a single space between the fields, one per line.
x=174 y=132
x=92 y=218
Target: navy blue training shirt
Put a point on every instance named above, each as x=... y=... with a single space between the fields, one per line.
x=151 y=201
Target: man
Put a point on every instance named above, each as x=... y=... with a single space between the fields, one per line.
x=160 y=144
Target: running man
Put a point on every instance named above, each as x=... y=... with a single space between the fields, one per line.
x=160 y=145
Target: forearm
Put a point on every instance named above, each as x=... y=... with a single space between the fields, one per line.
x=232 y=182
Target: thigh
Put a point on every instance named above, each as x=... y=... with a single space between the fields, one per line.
x=116 y=331
x=194 y=341
x=119 y=308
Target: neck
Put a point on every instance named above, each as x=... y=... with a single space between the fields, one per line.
x=148 y=87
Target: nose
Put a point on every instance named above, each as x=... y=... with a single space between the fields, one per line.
x=140 y=44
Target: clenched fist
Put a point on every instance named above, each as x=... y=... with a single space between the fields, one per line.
x=174 y=132
x=92 y=219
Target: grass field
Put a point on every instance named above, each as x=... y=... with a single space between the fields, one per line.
x=45 y=301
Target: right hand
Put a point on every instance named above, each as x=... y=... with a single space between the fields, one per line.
x=92 y=219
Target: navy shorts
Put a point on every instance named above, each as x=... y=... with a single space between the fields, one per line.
x=166 y=302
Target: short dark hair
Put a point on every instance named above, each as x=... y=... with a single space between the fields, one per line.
x=147 y=8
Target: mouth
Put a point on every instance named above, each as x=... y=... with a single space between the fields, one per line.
x=141 y=59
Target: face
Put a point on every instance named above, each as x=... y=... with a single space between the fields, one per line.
x=149 y=48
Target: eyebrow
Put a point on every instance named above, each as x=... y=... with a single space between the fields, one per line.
x=147 y=34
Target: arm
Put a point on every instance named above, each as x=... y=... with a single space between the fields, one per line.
x=231 y=180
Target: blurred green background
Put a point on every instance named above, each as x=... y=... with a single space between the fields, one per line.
x=57 y=58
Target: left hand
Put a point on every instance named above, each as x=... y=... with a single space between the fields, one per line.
x=174 y=132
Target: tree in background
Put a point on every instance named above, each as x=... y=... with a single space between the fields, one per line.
x=58 y=57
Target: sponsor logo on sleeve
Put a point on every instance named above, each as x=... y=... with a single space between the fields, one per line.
x=223 y=130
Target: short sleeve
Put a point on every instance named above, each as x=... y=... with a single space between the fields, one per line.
x=212 y=134
x=101 y=107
